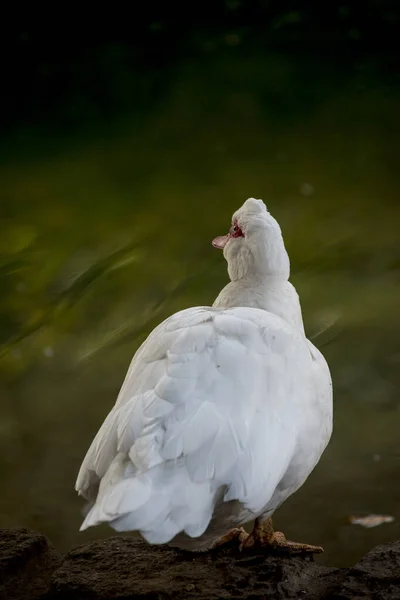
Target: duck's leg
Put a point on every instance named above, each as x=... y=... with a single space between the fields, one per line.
x=263 y=535
x=237 y=534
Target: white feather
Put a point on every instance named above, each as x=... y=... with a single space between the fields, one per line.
x=221 y=404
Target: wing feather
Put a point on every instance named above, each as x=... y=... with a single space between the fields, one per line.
x=207 y=402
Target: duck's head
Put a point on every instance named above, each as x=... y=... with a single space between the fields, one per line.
x=254 y=244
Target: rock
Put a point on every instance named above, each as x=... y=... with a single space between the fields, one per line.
x=376 y=576
x=123 y=567
x=27 y=561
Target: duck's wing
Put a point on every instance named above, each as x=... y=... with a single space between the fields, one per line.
x=210 y=400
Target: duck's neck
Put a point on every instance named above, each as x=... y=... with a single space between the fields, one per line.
x=273 y=294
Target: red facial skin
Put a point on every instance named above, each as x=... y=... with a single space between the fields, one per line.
x=234 y=232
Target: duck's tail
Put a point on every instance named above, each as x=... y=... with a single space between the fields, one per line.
x=159 y=503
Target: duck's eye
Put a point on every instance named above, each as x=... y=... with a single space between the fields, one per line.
x=235 y=231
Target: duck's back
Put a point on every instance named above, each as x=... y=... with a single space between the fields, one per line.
x=212 y=410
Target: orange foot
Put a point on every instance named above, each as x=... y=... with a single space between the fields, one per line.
x=264 y=536
x=238 y=533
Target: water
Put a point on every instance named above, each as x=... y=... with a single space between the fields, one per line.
x=106 y=234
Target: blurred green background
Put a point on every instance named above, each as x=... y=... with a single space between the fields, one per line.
x=124 y=151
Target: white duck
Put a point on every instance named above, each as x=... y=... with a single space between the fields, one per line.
x=224 y=411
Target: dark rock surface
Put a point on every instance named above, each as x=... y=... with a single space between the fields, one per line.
x=27 y=563
x=376 y=576
x=123 y=568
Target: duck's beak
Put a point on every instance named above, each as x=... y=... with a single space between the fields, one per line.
x=221 y=241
